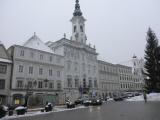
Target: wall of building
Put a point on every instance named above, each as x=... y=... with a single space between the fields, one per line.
x=37 y=72
x=108 y=79
x=5 y=75
x=80 y=63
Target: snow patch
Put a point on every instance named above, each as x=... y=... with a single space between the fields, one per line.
x=5 y=60
x=20 y=108
x=150 y=97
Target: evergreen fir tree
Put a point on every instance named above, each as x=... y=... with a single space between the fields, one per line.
x=150 y=64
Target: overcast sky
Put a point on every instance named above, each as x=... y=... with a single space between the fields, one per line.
x=117 y=27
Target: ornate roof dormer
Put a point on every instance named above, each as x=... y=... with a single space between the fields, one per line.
x=77 y=11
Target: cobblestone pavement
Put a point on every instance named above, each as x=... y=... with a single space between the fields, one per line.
x=108 y=111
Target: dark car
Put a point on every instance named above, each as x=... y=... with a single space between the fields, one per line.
x=78 y=101
x=118 y=98
x=96 y=102
x=87 y=102
x=137 y=93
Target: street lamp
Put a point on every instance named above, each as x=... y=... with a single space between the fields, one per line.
x=46 y=81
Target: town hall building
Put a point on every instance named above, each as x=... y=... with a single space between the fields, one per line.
x=80 y=59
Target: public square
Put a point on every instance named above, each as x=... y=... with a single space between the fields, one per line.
x=108 y=111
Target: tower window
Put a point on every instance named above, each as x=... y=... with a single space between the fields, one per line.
x=81 y=27
x=75 y=28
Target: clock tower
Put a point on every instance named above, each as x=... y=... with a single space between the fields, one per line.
x=78 y=25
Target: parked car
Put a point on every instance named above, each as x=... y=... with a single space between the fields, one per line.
x=78 y=101
x=87 y=102
x=130 y=94
x=137 y=93
x=118 y=98
x=95 y=101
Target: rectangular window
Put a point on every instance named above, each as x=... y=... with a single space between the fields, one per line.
x=90 y=83
x=30 y=70
x=50 y=58
x=50 y=72
x=22 y=53
x=19 y=84
x=95 y=84
x=76 y=83
x=94 y=69
x=2 y=84
x=40 y=84
x=31 y=54
x=51 y=85
x=58 y=74
x=58 y=60
x=83 y=66
x=89 y=68
x=40 y=71
x=3 y=69
x=68 y=65
x=58 y=86
x=20 y=68
x=69 y=82
x=41 y=57
x=29 y=84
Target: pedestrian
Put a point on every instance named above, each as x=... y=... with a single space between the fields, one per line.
x=145 y=96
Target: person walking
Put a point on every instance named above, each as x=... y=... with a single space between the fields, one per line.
x=145 y=96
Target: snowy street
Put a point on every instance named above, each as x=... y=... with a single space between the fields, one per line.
x=123 y=110
x=111 y=105
x=35 y=112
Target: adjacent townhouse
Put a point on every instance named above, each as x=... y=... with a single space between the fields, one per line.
x=5 y=75
x=37 y=70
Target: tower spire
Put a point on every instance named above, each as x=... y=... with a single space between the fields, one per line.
x=77 y=11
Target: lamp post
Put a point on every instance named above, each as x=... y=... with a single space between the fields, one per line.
x=29 y=91
x=46 y=85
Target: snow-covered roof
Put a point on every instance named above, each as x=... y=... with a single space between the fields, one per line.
x=36 y=43
x=99 y=57
x=5 y=60
x=128 y=63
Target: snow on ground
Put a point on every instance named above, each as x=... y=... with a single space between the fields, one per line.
x=150 y=97
x=56 y=109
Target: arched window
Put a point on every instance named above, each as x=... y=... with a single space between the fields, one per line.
x=75 y=28
x=81 y=28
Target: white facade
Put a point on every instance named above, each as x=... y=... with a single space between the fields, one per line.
x=35 y=71
x=125 y=78
x=80 y=67
x=137 y=66
x=5 y=75
x=108 y=79
x=80 y=60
